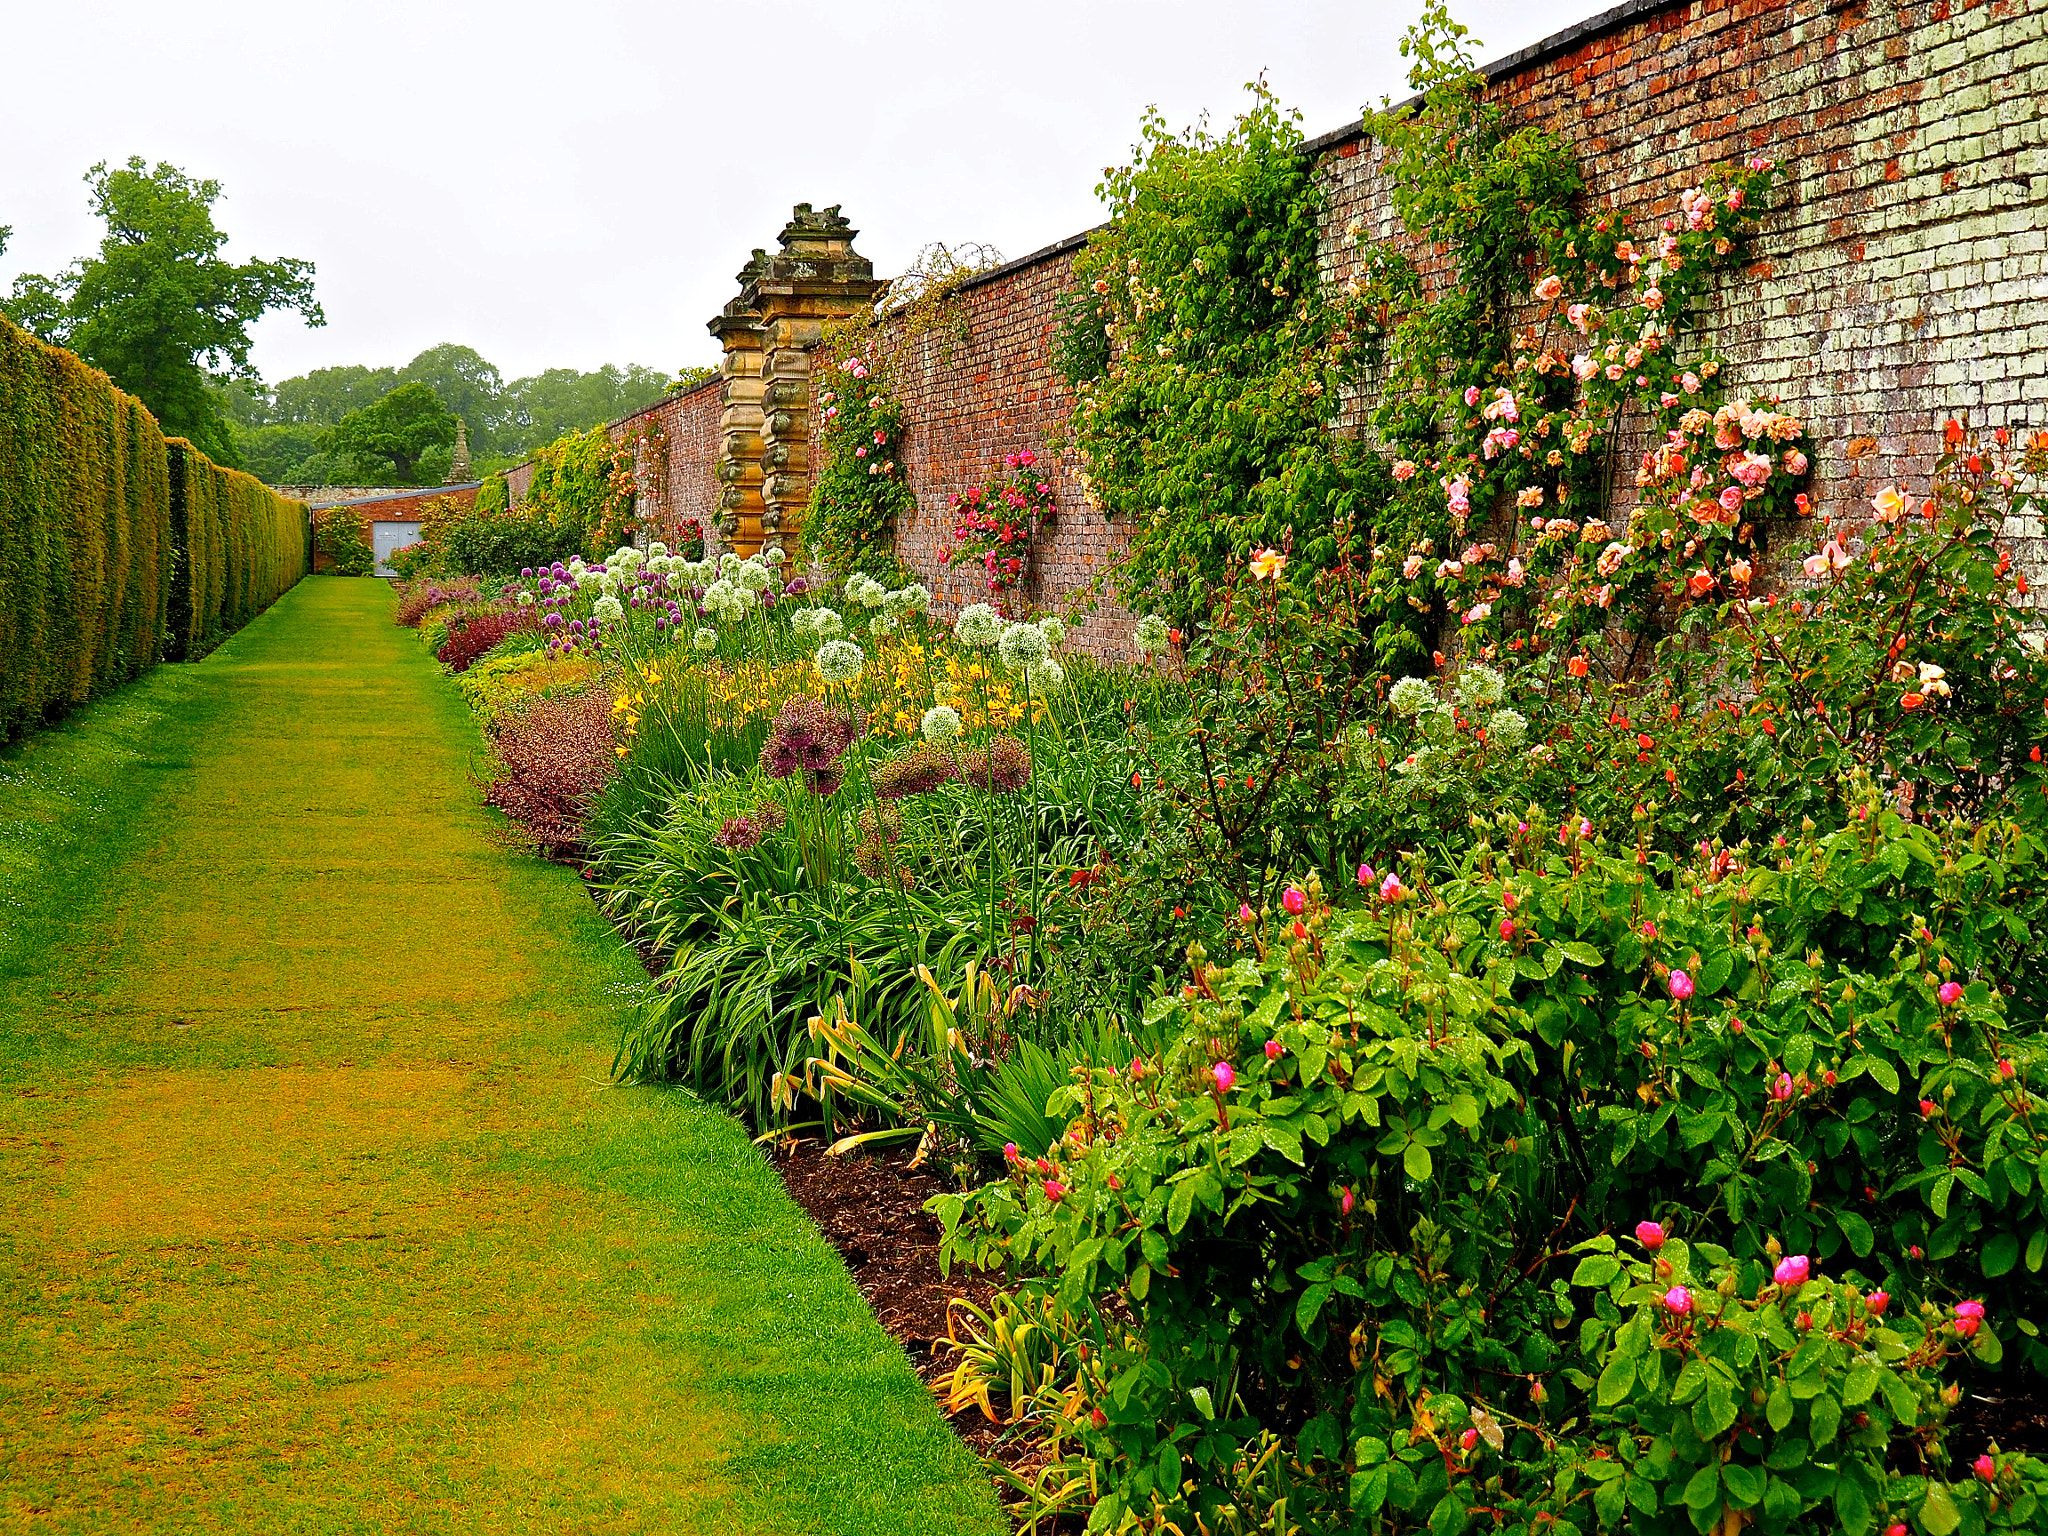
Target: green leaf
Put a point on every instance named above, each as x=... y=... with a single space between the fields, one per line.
x=1779 y=1408
x=1417 y=1162
x=1308 y=1304
x=1886 y=1074
x=1857 y=1231
x=1596 y=1269
x=1938 y=1513
x=1852 y=1508
x=1615 y=1380
x=1703 y=1489
x=2001 y=1254
x=1448 y=1518
x=1825 y=1417
x=1199 y=1396
x=1745 y=1484
x=1715 y=1411
x=1938 y=1193
x=1585 y=954
x=1860 y=1383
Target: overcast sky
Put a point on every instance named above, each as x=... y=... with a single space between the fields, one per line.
x=576 y=184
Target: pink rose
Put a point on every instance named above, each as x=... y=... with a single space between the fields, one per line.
x=1225 y=1075
x=1950 y=994
x=1346 y=1199
x=1681 y=985
x=1731 y=498
x=1391 y=888
x=1404 y=469
x=1054 y=1189
x=1650 y=1234
x=1792 y=1269
x=1782 y=1088
x=1246 y=915
x=1293 y=900
x=1472 y=394
x=1274 y=1050
x=1679 y=1300
x=1985 y=1468
x=1507 y=928
x=1877 y=1301
x=1366 y=877
x=1549 y=288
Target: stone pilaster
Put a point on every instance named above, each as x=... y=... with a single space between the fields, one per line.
x=770 y=333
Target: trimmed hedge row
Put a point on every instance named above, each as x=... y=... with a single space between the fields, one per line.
x=240 y=546
x=85 y=543
x=97 y=581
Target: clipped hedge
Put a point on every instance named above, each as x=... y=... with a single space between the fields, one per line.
x=240 y=546
x=85 y=533
x=118 y=546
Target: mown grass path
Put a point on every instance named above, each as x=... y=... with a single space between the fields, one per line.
x=316 y=1210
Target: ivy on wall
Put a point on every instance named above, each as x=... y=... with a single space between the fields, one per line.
x=861 y=487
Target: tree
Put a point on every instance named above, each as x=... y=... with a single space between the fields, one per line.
x=159 y=308
x=543 y=407
x=398 y=430
x=468 y=385
x=321 y=398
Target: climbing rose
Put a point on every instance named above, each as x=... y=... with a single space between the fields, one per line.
x=1650 y=1234
x=1054 y=1189
x=1679 y=1300
x=1391 y=889
x=1507 y=928
x=1268 y=564
x=1293 y=900
x=1468 y=1439
x=1951 y=993
x=1792 y=1269
x=1782 y=1088
x=1985 y=1468
x=1969 y=1314
x=2005 y=1068
x=1347 y=1199
x=1927 y=1108
x=1225 y=1075
x=1009 y=1152
x=1245 y=914
x=1877 y=1301
x=1366 y=877
x=1681 y=985
x=1273 y=1050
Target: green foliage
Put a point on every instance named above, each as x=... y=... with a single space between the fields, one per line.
x=386 y=440
x=505 y=543
x=1340 y=1210
x=572 y=483
x=85 y=533
x=493 y=495
x=339 y=538
x=238 y=545
x=1207 y=426
x=860 y=489
x=157 y=307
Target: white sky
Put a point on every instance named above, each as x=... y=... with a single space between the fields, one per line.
x=576 y=184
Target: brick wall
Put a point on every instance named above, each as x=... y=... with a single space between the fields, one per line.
x=1903 y=277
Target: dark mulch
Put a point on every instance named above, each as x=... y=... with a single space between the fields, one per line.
x=2009 y=1409
x=871 y=1208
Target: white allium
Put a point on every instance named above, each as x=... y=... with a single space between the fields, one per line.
x=864 y=589
x=774 y=555
x=800 y=622
x=705 y=640
x=1022 y=646
x=751 y=577
x=1480 y=687
x=1152 y=635
x=728 y=563
x=608 y=609
x=882 y=624
x=915 y=598
x=826 y=624
x=656 y=550
x=1411 y=695
x=1046 y=675
x=526 y=599
x=1055 y=630
x=840 y=661
x=941 y=724
x=1507 y=729
x=978 y=625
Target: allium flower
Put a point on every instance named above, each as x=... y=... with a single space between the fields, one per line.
x=526 y=599
x=1022 y=646
x=1793 y=1269
x=1054 y=629
x=1951 y=993
x=1002 y=766
x=1678 y=1300
x=826 y=623
x=1411 y=695
x=752 y=578
x=1293 y=900
x=1681 y=985
x=1225 y=1076
x=840 y=661
x=979 y=626
x=1151 y=635
x=941 y=724
x=705 y=640
x=1507 y=728
x=738 y=833
x=607 y=609
x=1480 y=687
x=1650 y=1234
x=915 y=598
x=916 y=772
x=1046 y=675
x=806 y=735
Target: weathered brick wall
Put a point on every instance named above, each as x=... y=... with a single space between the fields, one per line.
x=1902 y=278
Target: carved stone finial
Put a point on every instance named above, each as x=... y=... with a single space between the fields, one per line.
x=458 y=461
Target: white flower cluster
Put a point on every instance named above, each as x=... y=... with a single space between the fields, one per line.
x=979 y=626
x=840 y=661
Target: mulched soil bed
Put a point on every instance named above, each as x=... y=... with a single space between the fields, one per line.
x=871 y=1208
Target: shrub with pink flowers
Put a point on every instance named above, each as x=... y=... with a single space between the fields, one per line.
x=994 y=523
x=860 y=488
